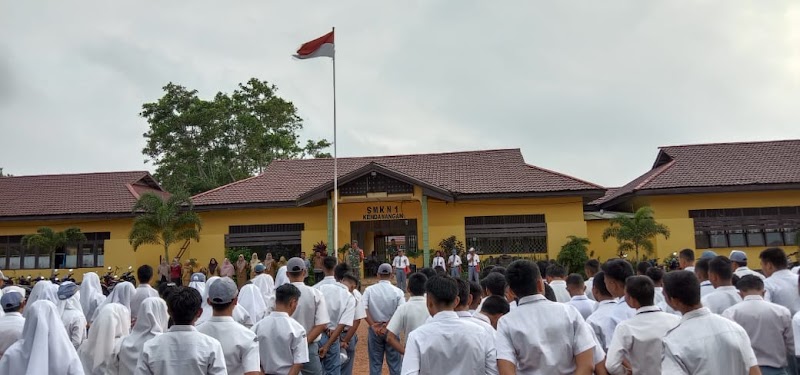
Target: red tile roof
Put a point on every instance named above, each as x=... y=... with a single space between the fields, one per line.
x=72 y=194
x=732 y=166
x=461 y=173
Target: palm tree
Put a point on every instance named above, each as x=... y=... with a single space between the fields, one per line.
x=574 y=254
x=635 y=232
x=47 y=239
x=161 y=221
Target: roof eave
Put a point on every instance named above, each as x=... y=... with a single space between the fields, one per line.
x=75 y=216
x=586 y=194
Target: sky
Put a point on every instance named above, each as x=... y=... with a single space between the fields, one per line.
x=586 y=88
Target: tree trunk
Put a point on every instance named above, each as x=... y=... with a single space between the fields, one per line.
x=166 y=252
x=636 y=247
x=52 y=260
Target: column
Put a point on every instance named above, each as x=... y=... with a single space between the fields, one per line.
x=331 y=245
x=425 y=246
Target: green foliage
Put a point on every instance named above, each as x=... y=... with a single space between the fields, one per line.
x=48 y=240
x=198 y=144
x=233 y=253
x=5 y=175
x=573 y=254
x=164 y=221
x=448 y=244
x=635 y=232
x=414 y=253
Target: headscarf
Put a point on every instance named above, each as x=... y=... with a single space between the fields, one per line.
x=241 y=263
x=207 y=312
x=198 y=283
x=151 y=322
x=251 y=299
x=112 y=324
x=44 y=347
x=227 y=269
x=212 y=266
x=121 y=294
x=72 y=301
x=254 y=261
x=43 y=290
x=281 y=278
x=91 y=294
x=282 y=262
x=266 y=287
x=163 y=268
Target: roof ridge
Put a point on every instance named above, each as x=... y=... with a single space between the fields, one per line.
x=405 y=155
x=565 y=175
x=198 y=195
x=730 y=143
x=655 y=174
x=77 y=174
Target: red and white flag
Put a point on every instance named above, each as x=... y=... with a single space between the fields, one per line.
x=320 y=47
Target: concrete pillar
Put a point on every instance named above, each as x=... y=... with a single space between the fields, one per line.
x=331 y=245
x=425 y=245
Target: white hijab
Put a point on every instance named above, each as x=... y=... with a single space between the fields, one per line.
x=267 y=286
x=121 y=294
x=207 y=312
x=251 y=299
x=91 y=294
x=151 y=322
x=43 y=290
x=71 y=303
x=112 y=324
x=44 y=347
x=281 y=278
x=199 y=286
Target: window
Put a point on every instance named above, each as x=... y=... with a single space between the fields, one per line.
x=774 y=238
x=743 y=227
x=14 y=256
x=701 y=240
x=511 y=234
x=736 y=239
x=790 y=237
x=719 y=239
x=755 y=238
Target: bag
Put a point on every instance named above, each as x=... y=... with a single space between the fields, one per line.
x=407 y=270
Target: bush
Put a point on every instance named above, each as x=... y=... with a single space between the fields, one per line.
x=574 y=254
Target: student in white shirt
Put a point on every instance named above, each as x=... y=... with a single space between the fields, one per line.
x=12 y=323
x=341 y=309
x=91 y=295
x=686 y=260
x=381 y=301
x=473 y=264
x=601 y=321
x=350 y=340
x=657 y=275
x=239 y=344
x=99 y=352
x=282 y=340
x=492 y=309
x=328 y=267
x=703 y=343
x=454 y=263
x=311 y=313
x=462 y=309
x=637 y=340
x=616 y=272
x=400 y=263
x=592 y=267
x=555 y=278
x=725 y=294
x=438 y=261
x=781 y=284
x=182 y=350
x=739 y=265
x=701 y=271
x=151 y=322
x=768 y=325
x=430 y=347
x=69 y=305
x=410 y=315
x=576 y=290
x=524 y=343
x=144 y=274
x=494 y=284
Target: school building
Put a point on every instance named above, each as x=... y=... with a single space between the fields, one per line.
x=717 y=196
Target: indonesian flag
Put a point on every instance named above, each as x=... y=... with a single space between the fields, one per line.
x=320 y=47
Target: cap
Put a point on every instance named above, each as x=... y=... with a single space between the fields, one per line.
x=385 y=269
x=198 y=277
x=11 y=300
x=738 y=256
x=222 y=291
x=471 y=249
x=15 y=289
x=295 y=265
x=67 y=290
x=260 y=268
x=708 y=254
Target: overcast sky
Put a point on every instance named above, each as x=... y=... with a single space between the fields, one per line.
x=590 y=89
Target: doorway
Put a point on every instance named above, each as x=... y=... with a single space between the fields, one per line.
x=384 y=237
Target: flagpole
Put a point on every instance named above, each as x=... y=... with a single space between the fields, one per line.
x=335 y=162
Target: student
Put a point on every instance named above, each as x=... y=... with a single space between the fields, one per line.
x=601 y=321
x=144 y=274
x=151 y=322
x=438 y=261
x=12 y=323
x=69 y=304
x=473 y=264
x=616 y=272
x=739 y=265
x=311 y=313
x=251 y=299
x=641 y=268
x=577 y=290
x=462 y=308
x=341 y=306
x=381 y=301
x=239 y=344
x=477 y=293
x=494 y=284
x=121 y=294
x=265 y=284
x=592 y=267
x=702 y=343
x=44 y=347
x=182 y=350
x=400 y=265
x=91 y=294
x=282 y=342
x=657 y=276
x=638 y=339
x=430 y=347
x=725 y=294
x=99 y=352
x=701 y=271
x=328 y=266
x=493 y=308
x=350 y=340
x=555 y=278
x=523 y=350
x=781 y=284
x=454 y=263
x=410 y=315
x=768 y=325
x=686 y=260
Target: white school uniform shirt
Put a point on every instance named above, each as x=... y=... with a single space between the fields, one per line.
x=239 y=344
x=782 y=289
x=282 y=343
x=473 y=260
x=400 y=262
x=707 y=344
x=142 y=292
x=661 y=302
x=705 y=288
x=601 y=322
x=11 y=326
x=541 y=337
x=361 y=311
x=429 y=349
x=796 y=333
x=638 y=340
x=744 y=271
x=152 y=321
x=75 y=324
x=438 y=262
x=589 y=284
x=341 y=304
x=409 y=316
x=622 y=312
x=721 y=299
x=584 y=305
x=690 y=269
x=311 y=308
x=560 y=290
x=382 y=300
x=769 y=327
x=182 y=350
x=485 y=326
x=454 y=261
x=325 y=281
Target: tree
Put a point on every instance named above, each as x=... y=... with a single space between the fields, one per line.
x=47 y=239
x=163 y=221
x=197 y=145
x=635 y=232
x=574 y=254
x=5 y=174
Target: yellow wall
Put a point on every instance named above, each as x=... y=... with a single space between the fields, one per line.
x=603 y=250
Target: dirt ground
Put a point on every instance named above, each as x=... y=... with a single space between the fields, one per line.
x=361 y=366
